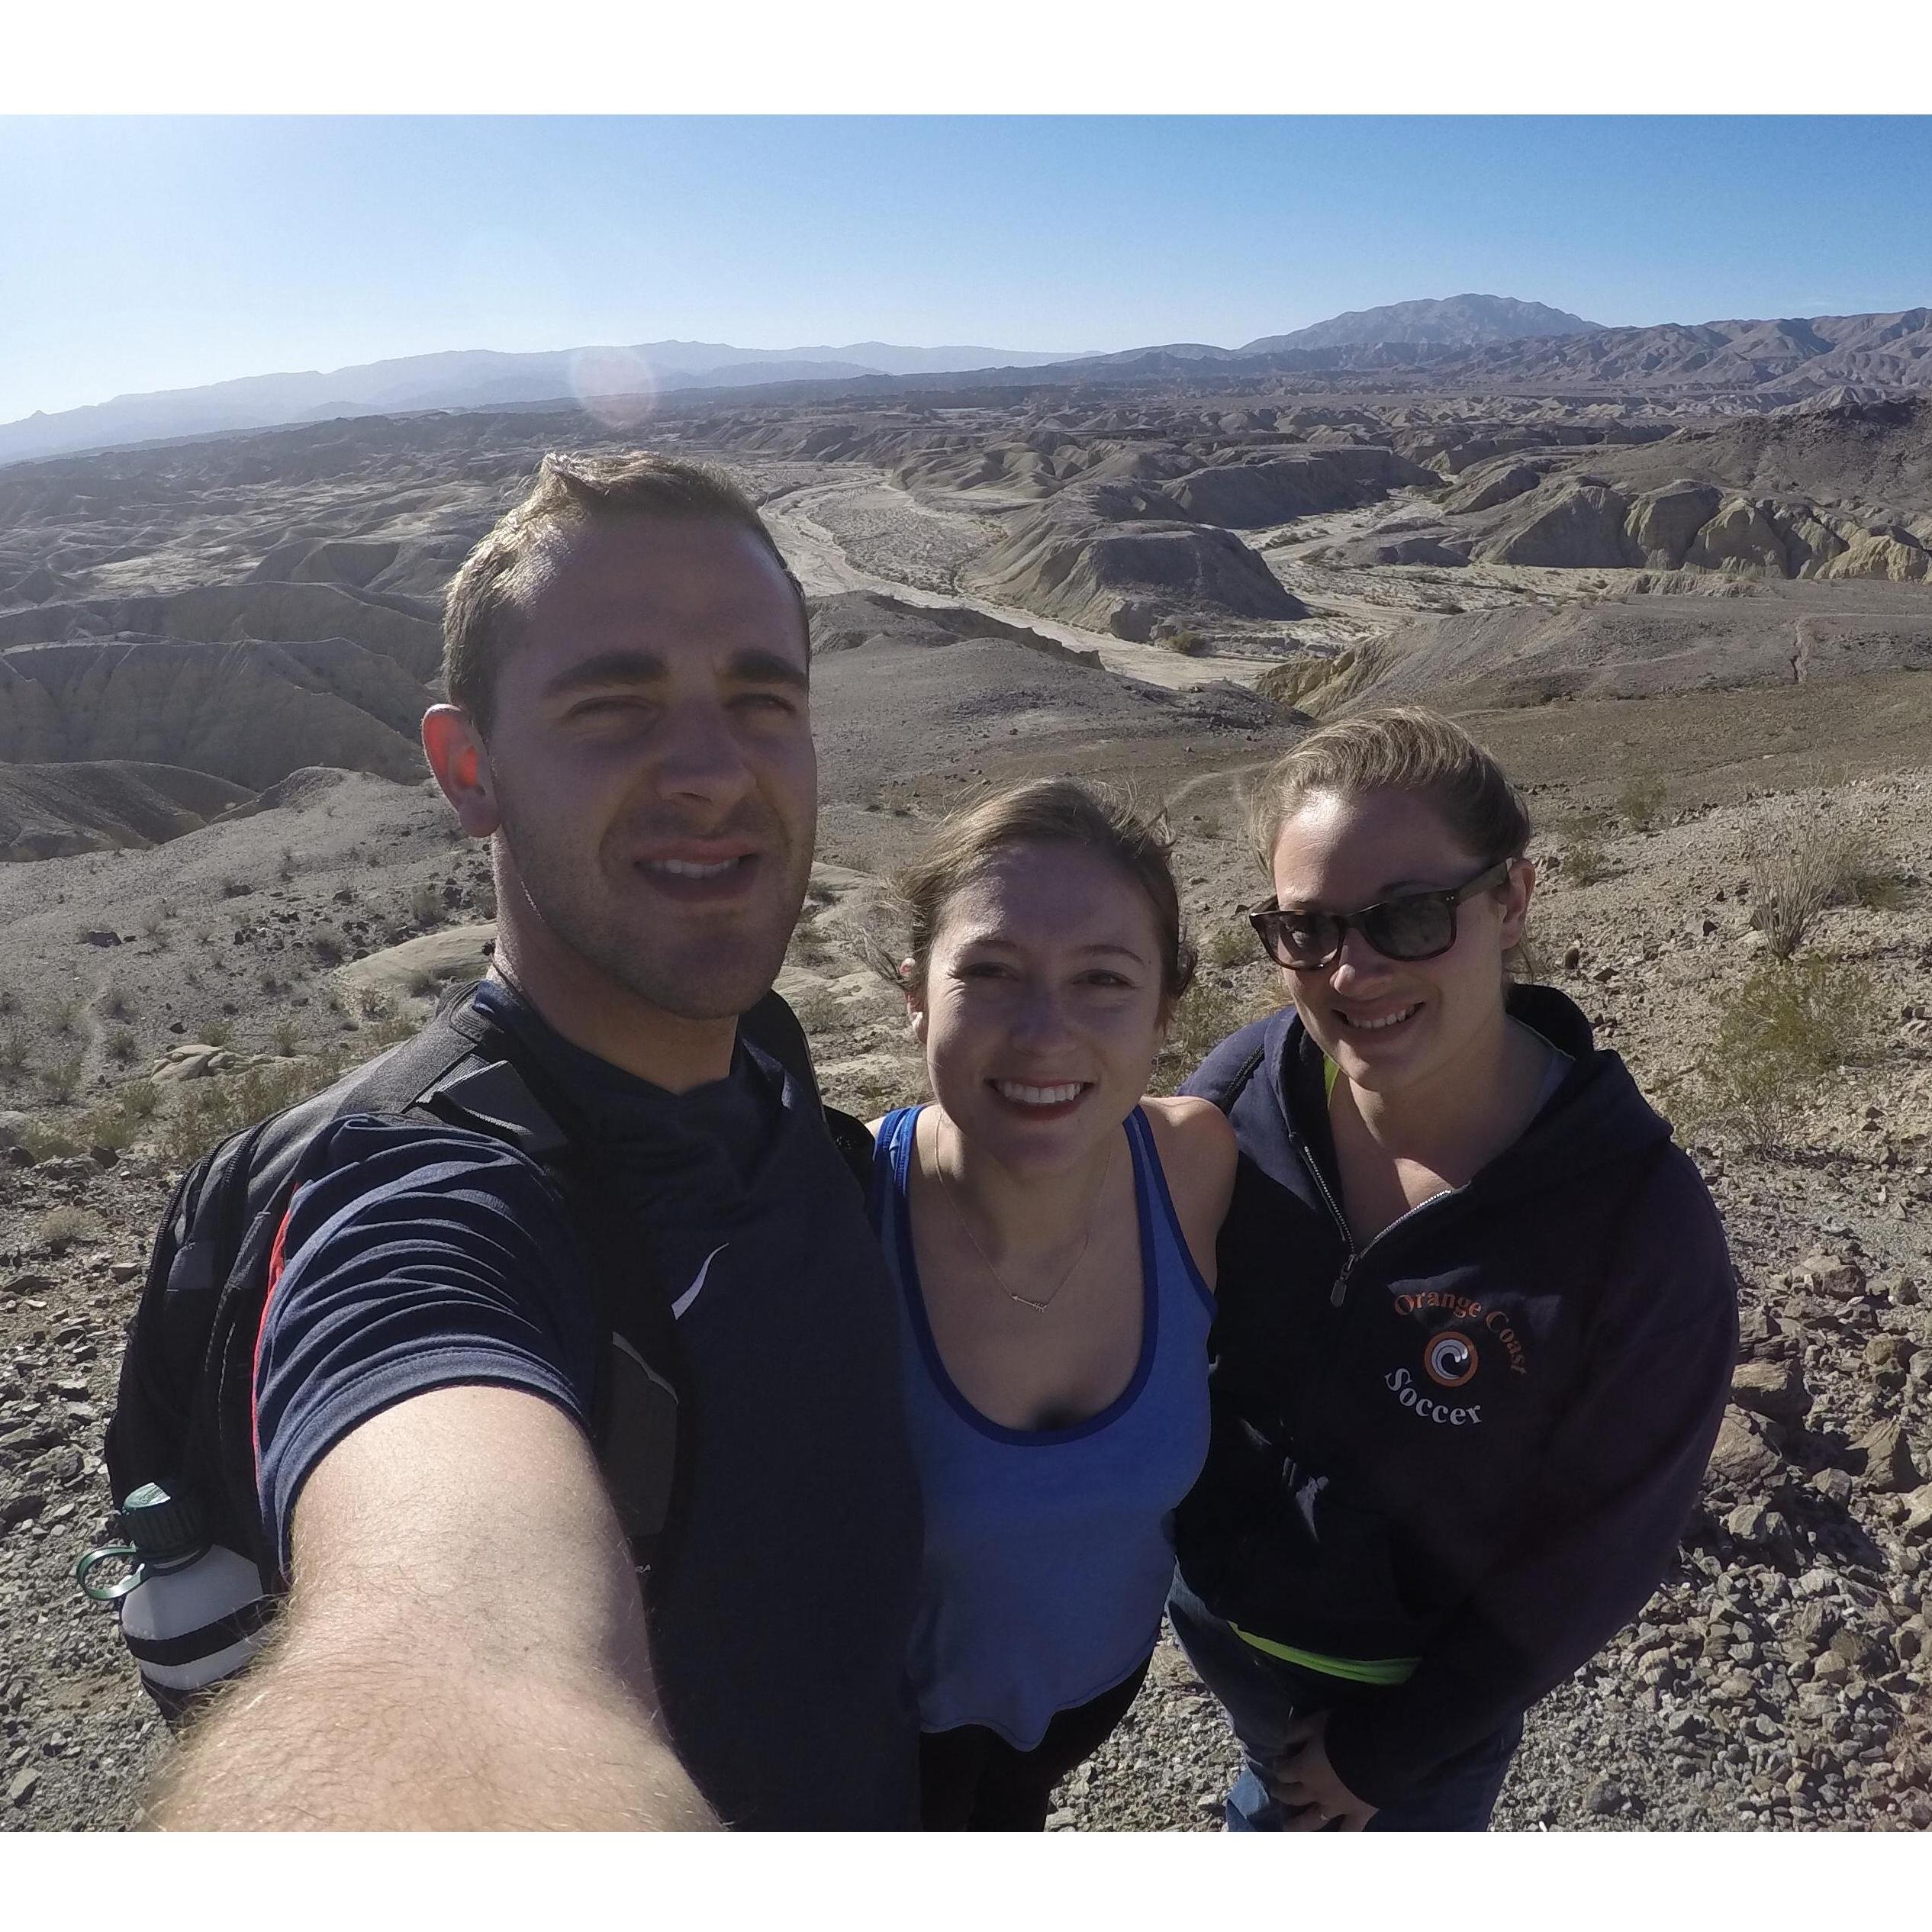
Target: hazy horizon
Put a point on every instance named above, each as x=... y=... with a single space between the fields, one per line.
x=159 y=254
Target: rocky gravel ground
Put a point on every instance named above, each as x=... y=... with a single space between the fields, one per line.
x=1778 y=1680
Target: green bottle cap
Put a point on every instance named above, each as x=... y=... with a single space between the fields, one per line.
x=164 y=1530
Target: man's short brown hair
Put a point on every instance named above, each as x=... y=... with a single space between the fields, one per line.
x=483 y=610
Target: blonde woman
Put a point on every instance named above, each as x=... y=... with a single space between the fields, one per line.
x=1475 y=1321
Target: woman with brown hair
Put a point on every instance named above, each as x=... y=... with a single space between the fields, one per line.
x=1052 y=1235
x=1475 y=1319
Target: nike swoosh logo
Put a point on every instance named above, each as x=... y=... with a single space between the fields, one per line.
x=691 y=1293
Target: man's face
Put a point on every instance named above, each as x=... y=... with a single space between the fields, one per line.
x=652 y=764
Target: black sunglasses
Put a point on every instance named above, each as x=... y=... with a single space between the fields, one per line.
x=1417 y=925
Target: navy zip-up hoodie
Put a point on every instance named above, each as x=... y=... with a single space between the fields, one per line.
x=1475 y=1442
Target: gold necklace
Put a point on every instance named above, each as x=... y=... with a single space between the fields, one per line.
x=1026 y=1301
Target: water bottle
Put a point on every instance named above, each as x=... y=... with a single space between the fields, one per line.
x=191 y=1612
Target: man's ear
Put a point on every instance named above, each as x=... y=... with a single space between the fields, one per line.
x=460 y=762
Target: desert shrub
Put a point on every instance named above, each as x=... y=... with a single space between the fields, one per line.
x=1640 y=801
x=1232 y=945
x=1208 y=1013
x=372 y=1002
x=287 y=1042
x=235 y=888
x=141 y=1098
x=1586 y=859
x=819 y=1011
x=109 y=1126
x=1210 y=825
x=217 y=1033
x=60 y=1227
x=1787 y=1026
x=43 y=1140
x=286 y=866
x=122 y=1047
x=64 y=1016
x=1812 y=866
x=426 y=904
x=14 y=1052
x=421 y=984
x=210 y=1110
x=117 y=1005
x=1186 y=643
x=329 y=949
x=272 y=983
x=62 y=1079
x=9 y=1000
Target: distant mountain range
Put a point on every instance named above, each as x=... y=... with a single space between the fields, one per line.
x=472 y=379
x=1461 y=341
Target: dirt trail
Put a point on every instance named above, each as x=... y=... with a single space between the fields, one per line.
x=824 y=567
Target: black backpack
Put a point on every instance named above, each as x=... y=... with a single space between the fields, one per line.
x=183 y=1412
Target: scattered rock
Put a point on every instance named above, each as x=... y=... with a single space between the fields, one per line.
x=1743 y=1457
x=1773 y=1389
x=1884 y=1458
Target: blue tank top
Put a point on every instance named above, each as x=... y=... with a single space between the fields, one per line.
x=1049 y=1552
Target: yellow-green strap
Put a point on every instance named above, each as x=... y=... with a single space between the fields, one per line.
x=1355 y=1670
x=1331 y=1073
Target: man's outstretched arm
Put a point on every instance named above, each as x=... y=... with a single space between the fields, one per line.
x=464 y=1647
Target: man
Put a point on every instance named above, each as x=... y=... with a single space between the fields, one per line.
x=464 y=1644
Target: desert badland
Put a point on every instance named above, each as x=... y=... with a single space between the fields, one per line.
x=1679 y=579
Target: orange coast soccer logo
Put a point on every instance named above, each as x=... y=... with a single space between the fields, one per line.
x=1450 y=1359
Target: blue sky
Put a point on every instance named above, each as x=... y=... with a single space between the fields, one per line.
x=155 y=253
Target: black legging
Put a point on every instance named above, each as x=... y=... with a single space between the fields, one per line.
x=971 y=1779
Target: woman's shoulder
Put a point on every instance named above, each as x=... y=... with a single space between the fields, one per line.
x=1197 y=1153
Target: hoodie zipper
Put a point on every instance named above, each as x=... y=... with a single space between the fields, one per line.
x=1338 y=1293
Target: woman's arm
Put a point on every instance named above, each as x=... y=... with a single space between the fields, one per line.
x=1198 y=1153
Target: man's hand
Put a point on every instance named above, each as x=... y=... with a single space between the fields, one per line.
x=1303 y=1779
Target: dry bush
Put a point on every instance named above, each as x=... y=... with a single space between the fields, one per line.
x=43 y=1141
x=1815 y=866
x=328 y=947
x=60 y=1227
x=64 y=1016
x=109 y=1125
x=1586 y=859
x=141 y=1098
x=1208 y=1013
x=1232 y=945
x=122 y=1047
x=1788 y=1024
x=14 y=1054
x=1184 y=643
x=117 y=1005
x=62 y=1079
x=217 y=1033
x=426 y=904
x=210 y=1110
x=819 y=1011
x=1641 y=802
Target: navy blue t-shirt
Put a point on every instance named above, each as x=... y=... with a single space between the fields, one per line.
x=418 y=1257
